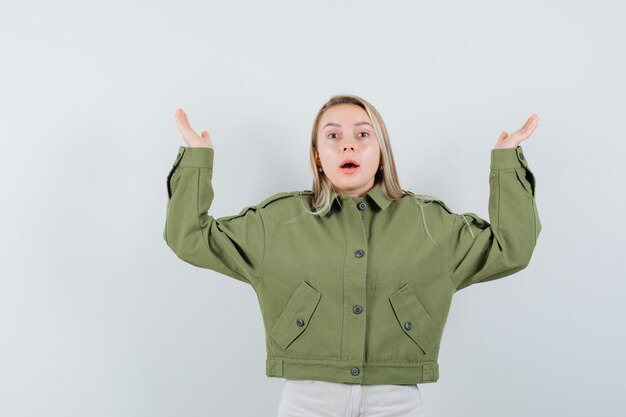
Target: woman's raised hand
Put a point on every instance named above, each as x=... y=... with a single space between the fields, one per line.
x=514 y=139
x=192 y=139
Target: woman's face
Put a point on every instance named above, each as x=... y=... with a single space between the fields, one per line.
x=346 y=132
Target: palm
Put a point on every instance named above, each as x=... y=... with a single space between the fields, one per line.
x=514 y=139
x=192 y=139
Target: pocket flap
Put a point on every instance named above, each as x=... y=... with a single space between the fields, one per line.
x=295 y=317
x=413 y=318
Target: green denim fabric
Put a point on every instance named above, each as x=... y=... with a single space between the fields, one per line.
x=361 y=294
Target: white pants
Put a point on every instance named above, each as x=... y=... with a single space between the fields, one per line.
x=312 y=398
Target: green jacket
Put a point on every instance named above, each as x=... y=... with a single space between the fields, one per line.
x=362 y=294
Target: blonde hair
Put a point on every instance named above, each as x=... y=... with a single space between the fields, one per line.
x=323 y=188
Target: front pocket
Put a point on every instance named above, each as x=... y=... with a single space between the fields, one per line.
x=413 y=318
x=296 y=315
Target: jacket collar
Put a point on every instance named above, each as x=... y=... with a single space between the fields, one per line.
x=375 y=194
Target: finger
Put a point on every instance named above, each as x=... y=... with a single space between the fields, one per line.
x=182 y=116
x=532 y=119
x=185 y=130
x=529 y=126
x=186 y=120
x=178 y=115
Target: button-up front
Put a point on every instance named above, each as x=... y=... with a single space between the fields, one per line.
x=361 y=294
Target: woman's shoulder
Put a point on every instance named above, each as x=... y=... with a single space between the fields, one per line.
x=424 y=200
x=284 y=196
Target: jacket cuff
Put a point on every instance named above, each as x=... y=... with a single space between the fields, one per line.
x=194 y=157
x=508 y=158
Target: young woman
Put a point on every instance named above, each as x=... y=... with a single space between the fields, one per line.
x=355 y=277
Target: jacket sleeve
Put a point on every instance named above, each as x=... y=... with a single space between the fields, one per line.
x=232 y=245
x=482 y=251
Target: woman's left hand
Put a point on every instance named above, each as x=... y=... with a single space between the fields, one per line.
x=514 y=139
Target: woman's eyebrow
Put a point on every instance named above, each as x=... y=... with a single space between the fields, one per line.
x=338 y=125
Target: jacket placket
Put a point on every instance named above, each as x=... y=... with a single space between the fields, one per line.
x=354 y=287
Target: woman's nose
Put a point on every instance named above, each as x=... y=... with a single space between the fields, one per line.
x=350 y=143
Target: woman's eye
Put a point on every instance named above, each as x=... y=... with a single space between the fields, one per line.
x=334 y=135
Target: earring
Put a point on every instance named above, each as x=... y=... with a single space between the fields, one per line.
x=320 y=169
x=380 y=168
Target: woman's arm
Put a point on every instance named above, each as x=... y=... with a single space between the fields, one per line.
x=232 y=245
x=482 y=251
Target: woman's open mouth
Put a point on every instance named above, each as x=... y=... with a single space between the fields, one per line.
x=349 y=167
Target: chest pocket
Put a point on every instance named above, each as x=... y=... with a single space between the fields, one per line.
x=413 y=318
x=296 y=315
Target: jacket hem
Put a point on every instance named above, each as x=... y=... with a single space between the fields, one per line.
x=342 y=371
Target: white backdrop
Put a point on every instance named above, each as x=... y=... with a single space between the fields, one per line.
x=99 y=318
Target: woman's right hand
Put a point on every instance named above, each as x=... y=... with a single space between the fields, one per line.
x=192 y=139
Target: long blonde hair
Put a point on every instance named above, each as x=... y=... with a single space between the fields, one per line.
x=323 y=188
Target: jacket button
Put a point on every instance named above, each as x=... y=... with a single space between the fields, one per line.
x=300 y=322
x=521 y=155
x=408 y=325
x=357 y=309
x=355 y=371
x=359 y=253
x=362 y=205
